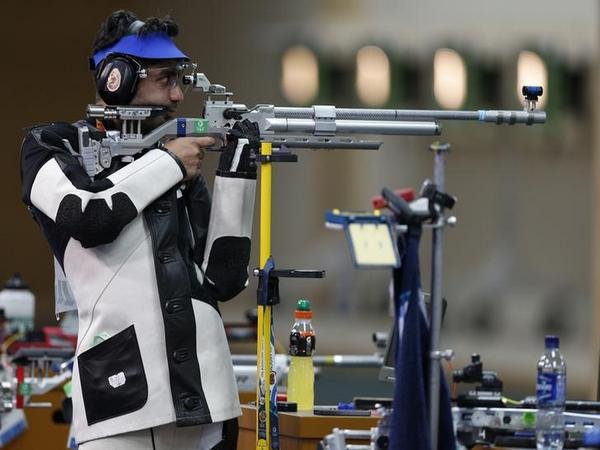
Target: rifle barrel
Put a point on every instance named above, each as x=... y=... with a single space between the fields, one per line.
x=491 y=116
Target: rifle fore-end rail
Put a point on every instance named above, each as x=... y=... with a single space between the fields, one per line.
x=331 y=128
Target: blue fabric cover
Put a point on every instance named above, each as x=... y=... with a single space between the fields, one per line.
x=410 y=417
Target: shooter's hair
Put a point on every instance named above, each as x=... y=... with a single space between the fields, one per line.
x=118 y=25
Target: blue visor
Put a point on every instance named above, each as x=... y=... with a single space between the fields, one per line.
x=148 y=46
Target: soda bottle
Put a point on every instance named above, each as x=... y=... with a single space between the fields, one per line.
x=301 y=376
x=551 y=395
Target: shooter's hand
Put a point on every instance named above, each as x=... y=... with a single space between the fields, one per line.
x=190 y=152
x=239 y=157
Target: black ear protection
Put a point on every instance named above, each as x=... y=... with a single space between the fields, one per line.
x=117 y=78
x=117 y=75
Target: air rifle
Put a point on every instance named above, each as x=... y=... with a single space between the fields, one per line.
x=315 y=127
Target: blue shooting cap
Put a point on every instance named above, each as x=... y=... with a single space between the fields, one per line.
x=148 y=46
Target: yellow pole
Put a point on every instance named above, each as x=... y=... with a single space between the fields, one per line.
x=263 y=343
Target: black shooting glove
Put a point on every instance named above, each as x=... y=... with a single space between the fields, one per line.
x=239 y=157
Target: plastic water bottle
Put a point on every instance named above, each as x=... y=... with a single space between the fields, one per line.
x=551 y=395
x=301 y=376
x=18 y=303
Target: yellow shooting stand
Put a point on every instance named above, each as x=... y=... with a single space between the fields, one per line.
x=267 y=296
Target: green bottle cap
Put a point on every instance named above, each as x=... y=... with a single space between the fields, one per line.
x=67 y=388
x=25 y=389
x=529 y=419
x=303 y=305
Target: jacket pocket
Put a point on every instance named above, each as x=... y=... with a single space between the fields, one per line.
x=112 y=377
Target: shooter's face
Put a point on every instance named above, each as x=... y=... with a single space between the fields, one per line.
x=160 y=88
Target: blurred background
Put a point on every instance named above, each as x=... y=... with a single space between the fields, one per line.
x=522 y=261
